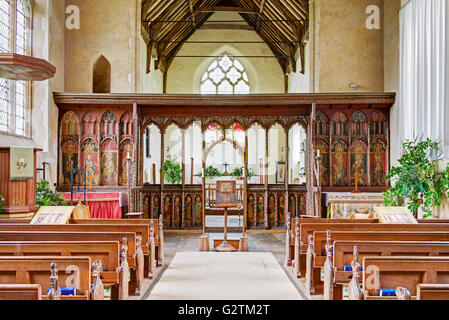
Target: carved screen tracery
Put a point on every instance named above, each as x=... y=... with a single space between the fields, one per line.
x=108 y=127
x=89 y=126
x=359 y=124
x=126 y=126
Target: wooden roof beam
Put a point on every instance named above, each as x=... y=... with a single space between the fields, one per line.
x=158 y=9
x=297 y=14
x=179 y=13
x=261 y=8
x=216 y=26
x=192 y=14
x=227 y=9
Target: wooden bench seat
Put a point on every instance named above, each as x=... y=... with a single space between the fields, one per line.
x=16 y=292
x=108 y=252
x=36 y=270
x=316 y=253
x=139 y=230
x=293 y=234
x=407 y=272
x=307 y=229
x=153 y=225
x=433 y=220
x=136 y=267
x=432 y=292
x=343 y=254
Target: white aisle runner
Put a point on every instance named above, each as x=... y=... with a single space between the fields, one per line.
x=224 y=276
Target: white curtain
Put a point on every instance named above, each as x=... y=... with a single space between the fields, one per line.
x=423 y=97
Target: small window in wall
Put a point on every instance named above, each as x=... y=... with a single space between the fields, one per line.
x=225 y=75
x=102 y=76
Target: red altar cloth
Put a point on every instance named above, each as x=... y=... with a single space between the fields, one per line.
x=108 y=209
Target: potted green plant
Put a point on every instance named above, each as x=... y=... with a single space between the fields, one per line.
x=1 y=204
x=238 y=172
x=416 y=182
x=172 y=170
x=212 y=172
x=46 y=197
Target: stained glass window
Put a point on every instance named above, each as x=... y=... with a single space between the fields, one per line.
x=14 y=26
x=225 y=75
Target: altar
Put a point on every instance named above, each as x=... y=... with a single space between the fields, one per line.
x=106 y=205
x=345 y=205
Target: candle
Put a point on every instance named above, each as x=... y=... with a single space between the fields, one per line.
x=318 y=153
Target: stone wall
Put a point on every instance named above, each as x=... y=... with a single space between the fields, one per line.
x=346 y=51
x=108 y=28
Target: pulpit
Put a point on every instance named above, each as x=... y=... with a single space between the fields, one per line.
x=18 y=183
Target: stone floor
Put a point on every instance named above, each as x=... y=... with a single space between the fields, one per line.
x=257 y=242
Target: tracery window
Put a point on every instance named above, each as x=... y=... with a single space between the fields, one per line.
x=15 y=16
x=225 y=75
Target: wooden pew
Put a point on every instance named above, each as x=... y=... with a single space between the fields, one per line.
x=36 y=270
x=343 y=255
x=153 y=225
x=317 y=255
x=20 y=292
x=140 y=230
x=307 y=229
x=432 y=292
x=108 y=252
x=130 y=238
x=156 y=233
x=295 y=227
x=433 y=220
x=408 y=272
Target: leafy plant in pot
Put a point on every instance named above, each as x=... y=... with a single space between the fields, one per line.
x=172 y=170
x=416 y=181
x=238 y=172
x=1 y=204
x=46 y=197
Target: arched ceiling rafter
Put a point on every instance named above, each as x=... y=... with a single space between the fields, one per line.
x=282 y=24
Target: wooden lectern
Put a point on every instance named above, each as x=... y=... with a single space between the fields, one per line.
x=225 y=246
x=226 y=199
x=19 y=195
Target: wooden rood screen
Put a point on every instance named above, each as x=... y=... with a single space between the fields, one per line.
x=339 y=125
